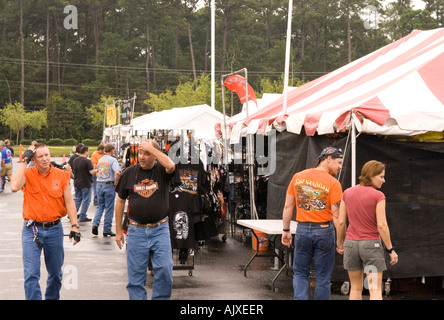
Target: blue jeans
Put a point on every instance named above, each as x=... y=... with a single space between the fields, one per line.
x=94 y=178
x=149 y=244
x=83 y=198
x=52 y=240
x=106 y=196
x=313 y=241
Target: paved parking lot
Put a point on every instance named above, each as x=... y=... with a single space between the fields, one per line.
x=95 y=269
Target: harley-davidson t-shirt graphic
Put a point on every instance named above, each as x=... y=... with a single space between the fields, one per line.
x=147 y=192
x=146 y=188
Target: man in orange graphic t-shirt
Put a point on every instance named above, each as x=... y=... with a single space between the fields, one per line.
x=46 y=199
x=316 y=193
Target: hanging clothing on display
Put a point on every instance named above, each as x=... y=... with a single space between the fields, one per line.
x=192 y=179
x=183 y=211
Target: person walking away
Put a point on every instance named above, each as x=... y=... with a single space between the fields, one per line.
x=95 y=157
x=74 y=156
x=108 y=172
x=8 y=145
x=364 y=206
x=83 y=170
x=317 y=194
x=46 y=199
x=6 y=164
x=146 y=185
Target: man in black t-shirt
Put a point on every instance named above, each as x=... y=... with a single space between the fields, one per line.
x=146 y=185
x=82 y=169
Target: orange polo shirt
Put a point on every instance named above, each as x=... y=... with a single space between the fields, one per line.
x=43 y=198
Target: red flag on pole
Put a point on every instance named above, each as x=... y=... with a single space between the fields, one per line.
x=236 y=83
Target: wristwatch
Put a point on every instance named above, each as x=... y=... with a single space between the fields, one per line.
x=389 y=250
x=75 y=225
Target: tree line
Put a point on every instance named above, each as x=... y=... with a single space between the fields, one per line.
x=59 y=66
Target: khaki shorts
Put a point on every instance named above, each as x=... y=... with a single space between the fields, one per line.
x=367 y=255
x=6 y=170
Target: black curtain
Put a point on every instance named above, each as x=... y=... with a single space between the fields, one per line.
x=414 y=190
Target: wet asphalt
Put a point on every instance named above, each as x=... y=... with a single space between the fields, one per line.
x=95 y=268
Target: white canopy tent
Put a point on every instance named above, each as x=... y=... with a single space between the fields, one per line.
x=394 y=90
x=201 y=119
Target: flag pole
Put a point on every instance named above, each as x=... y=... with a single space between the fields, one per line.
x=213 y=54
x=287 y=55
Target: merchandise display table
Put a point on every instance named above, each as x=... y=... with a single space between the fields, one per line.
x=270 y=227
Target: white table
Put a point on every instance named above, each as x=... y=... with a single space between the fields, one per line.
x=271 y=227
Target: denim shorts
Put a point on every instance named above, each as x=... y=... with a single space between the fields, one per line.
x=367 y=255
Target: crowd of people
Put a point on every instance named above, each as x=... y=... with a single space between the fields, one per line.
x=322 y=213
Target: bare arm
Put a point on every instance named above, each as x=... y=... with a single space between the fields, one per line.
x=118 y=212
x=341 y=227
x=335 y=213
x=18 y=179
x=71 y=208
x=163 y=159
x=116 y=177
x=286 y=217
x=384 y=231
x=382 y=224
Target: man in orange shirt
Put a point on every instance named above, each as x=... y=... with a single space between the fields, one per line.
x=46 y=199
x=95 y=157
x=316 y=193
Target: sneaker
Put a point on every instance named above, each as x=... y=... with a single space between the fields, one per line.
x=85 y=220
x=95 y=230
x=109 y=234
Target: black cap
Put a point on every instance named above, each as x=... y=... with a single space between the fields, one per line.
x=331 y=152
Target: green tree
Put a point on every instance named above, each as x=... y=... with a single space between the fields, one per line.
x=95 y=115
x=403 y=19
x=15 y=117
x=185 y=95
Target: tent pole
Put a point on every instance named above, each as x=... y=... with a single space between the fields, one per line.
x=287 y=54
x=353 y=150
x=224 y=133
x=249 y=147
x=246 y=92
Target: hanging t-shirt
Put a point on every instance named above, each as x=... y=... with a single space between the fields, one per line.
x=147 y=191
x=183 y=209
x=190 y=177
x=315 y=191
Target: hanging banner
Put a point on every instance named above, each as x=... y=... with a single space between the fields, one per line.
x=111 y=115
x=126 y=112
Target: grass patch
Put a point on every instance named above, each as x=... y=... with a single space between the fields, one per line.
x=55 y=151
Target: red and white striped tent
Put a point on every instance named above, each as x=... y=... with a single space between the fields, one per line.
x=398 y=89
